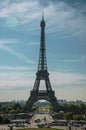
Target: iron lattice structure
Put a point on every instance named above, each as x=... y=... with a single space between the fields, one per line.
x=42 y=74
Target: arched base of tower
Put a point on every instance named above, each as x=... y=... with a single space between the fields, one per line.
x=41 y=95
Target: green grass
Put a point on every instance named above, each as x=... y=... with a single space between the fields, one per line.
x=39 y=129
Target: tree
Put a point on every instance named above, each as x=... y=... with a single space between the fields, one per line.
x=69 y=116
x=1 y=119
x=12 y=111
x=34 y=107
x=6 y=121
x=17 y=106
x=78 y=117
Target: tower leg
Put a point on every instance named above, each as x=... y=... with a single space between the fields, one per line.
x=39 y=95
x=30 y=102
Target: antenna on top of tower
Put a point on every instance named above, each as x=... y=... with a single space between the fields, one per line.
x=42 y=15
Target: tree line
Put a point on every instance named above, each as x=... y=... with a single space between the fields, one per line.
x=72 y=111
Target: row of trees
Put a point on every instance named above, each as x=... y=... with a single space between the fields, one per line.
x=11 y=108
x=72 y=111
x=70 y=116
x=74 y=108
x=19 y=107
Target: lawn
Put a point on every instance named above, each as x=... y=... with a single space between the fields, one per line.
x=40 y=129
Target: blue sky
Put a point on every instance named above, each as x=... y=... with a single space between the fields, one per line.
x=65 y=45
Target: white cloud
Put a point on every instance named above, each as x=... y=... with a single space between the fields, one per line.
x=71 y=93
x=15 y=80
x=63 y=19
x=8 y=41
x=11 y=51
x=57 y=78
x=67 y=79
x=74 y=60
x=15 y=68
x=60 y=16
x=69 y=86
x=33 y=43
x=66 y=85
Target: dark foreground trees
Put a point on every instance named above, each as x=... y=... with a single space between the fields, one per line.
x=4 y=120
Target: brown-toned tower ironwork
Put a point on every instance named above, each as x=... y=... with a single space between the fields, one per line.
x=42 y=74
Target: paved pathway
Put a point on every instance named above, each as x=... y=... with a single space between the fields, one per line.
x=44 y=118
x=3 y=127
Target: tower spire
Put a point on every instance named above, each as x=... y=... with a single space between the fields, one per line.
x=42 y=54
x=42 y=15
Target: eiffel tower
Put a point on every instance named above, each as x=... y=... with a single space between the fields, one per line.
x=42 y=74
